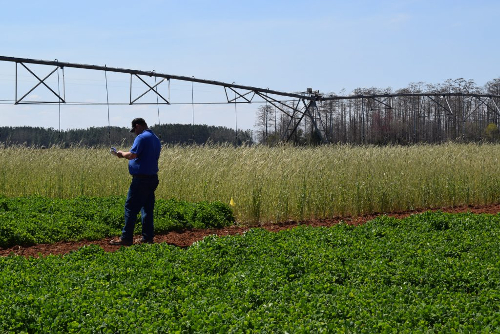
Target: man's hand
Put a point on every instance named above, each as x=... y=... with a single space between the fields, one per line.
x=126 y=155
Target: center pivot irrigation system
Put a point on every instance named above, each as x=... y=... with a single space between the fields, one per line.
x=309 y=106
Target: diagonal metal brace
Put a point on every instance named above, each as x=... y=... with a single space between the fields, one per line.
x=382 y=102
x=239 y=96
x=442 y=106
x=481 y=102
x=282 y=107
x=307 y=106
x=41 y=81
x=279 y=104
x=151 y=88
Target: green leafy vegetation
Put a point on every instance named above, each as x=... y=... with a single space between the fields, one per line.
x=34 y=220
x=432 y=272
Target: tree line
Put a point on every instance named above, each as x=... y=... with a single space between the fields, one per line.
x=117 y=136
x=391 y=120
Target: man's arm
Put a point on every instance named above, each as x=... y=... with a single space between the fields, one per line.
x=126 y=155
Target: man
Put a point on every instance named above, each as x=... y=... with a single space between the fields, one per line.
x=143 y=166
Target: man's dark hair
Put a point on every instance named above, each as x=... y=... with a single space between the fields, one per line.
x=139 y=121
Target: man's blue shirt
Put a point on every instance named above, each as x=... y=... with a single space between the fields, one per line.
x=147 y=147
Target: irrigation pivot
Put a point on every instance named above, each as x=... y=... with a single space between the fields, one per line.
x=444 y=115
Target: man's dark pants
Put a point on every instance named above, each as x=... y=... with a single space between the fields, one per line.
x=140 y=197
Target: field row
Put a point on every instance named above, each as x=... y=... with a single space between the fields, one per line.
x=34 y=220
x=273 y=183
x=432 y=272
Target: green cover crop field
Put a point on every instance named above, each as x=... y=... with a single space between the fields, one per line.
x=35 y=220
x=432 y=272
x=272 y=184
x=429 y=272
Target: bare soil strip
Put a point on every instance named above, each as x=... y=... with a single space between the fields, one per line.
x=186 y=238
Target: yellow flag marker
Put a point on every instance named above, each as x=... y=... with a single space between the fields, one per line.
x=231 y=202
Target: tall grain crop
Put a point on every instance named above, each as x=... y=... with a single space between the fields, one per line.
x=273 y=183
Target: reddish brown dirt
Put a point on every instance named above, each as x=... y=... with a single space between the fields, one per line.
x=186 y=238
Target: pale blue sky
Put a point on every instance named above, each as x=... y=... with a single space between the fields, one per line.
x=329 y=46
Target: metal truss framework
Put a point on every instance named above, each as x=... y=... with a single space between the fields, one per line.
x=296 y=107
x=429 y=117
